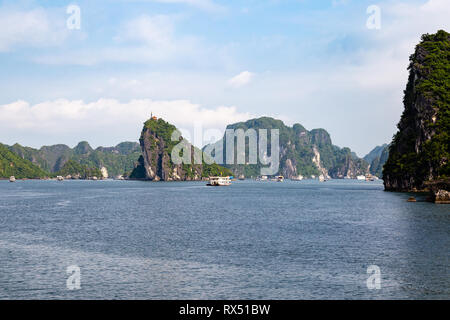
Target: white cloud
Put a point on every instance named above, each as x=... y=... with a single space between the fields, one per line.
x=155 y=31
x=404 y=23
x=33 y=28
x=88 y=57
x=103 y=122
x=142 y=40
x=241 y=79
x=336 y=3
x=207 y=5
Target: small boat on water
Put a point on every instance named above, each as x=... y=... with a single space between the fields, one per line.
x=279 y=178
x=219 y=181
x=12 y=179
x=362 y=178
x=60 y=178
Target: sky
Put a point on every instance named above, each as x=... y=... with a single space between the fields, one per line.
x=340 y=65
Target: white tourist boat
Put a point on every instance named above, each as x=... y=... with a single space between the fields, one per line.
x=12 y=179
x=219 y=181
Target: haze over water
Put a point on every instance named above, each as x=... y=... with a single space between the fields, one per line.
x=252 y=240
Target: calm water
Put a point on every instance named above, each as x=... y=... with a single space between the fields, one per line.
x=253 y=240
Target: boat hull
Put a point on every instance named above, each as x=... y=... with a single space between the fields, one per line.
x=219 y=182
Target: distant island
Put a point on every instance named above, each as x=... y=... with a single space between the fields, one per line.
x=81 y=162
x=420 y=150
x=12 y=164
x=377 y=158
x=303 y=153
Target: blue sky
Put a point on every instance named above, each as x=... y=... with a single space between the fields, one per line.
x=206 y=63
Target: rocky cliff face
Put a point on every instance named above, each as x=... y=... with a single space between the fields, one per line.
x=348 y=166
x=155 y=163
x=420 y=150
x=377 y=158
x=316 y=160
x=302 y=152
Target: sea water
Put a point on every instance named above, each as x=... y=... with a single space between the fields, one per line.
x=251 y=240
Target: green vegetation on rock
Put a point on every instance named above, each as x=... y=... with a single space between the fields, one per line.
x=298 y=147
x=76 y=169
x=163 y=131
x=420 y=149
x=155 y=162
x=117 y=160
x=13 y=165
